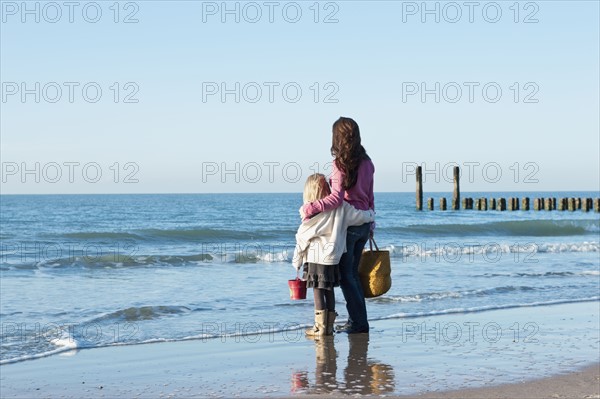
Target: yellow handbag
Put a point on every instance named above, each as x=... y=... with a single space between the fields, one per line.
x=374 y=271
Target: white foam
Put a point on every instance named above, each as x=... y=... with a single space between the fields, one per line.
x=450 y=249
x=275 y=257
x=64 y=344
x=591 y=273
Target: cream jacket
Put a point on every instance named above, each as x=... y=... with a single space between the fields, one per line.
x=322 y=238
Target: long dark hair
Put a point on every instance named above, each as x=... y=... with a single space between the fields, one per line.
x=347 y=150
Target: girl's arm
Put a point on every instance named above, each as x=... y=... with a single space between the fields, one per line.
x=332 y=201
x=298 y=258
x=299 y=251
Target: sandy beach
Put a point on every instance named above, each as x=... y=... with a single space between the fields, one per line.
x=581 y=384
x=559 y=359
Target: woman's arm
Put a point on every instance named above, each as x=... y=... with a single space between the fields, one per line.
x=372 y=201
x=356 y=217
x=332 y=201
x=371 y=197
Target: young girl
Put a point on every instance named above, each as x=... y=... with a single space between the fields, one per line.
x=320 y=243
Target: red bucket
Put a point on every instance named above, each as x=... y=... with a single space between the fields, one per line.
x=297 y=288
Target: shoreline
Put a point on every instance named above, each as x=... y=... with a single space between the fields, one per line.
x=396 y=360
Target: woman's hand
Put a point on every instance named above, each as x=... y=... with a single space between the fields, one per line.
x=301 y=212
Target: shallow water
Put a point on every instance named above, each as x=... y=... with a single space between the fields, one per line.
x=97 y=270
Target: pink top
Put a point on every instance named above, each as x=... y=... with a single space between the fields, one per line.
x=360 y=196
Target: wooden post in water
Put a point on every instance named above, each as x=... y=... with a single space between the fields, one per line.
x=467 y=203
x=561 y=204
x=430 y=204
x=585 y=205
x=572 y=204
x=597 y=205
x=484 y=204
x=492 y=204
x=536 y=204
x=577 y=203
x=477 y=204
x=525 y=203
x=456 y=195
x=553 y=199
x=443 y=204
x=590 y=203
x=548 y=204
x=511 y=204
x=501 y=204
x=419 y=188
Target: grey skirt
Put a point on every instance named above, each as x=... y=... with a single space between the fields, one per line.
x=321 y=276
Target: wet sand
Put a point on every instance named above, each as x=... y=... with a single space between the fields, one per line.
x=399 y=358
x=581 y=384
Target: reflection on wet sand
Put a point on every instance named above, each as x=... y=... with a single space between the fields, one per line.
x=362 y=375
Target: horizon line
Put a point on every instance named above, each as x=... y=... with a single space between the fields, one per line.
x=299 y=193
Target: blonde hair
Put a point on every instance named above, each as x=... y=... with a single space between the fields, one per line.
x=315 y=188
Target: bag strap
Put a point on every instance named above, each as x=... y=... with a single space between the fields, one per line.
x=371 y=243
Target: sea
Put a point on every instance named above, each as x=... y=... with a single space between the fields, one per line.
x=88 y=271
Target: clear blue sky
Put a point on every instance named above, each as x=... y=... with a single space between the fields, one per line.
x=374 y=62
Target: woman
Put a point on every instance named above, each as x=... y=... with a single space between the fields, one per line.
x=351 y=181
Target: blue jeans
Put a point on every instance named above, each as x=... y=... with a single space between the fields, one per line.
x=356 y=239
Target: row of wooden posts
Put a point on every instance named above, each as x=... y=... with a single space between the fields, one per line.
x=503 y=204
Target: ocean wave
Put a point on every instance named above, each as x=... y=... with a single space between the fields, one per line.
x=282 y=253
x=544 y=274
x=116 y=261
x=56 y=338
x=479 y=309
x=181 y=235
x=69 y=343
x=246 y=254
x=62 y=347
x=100 y=235
x=590 y=273
x=436 y=296
x=517 y=228
x=139 y=313
x=451 y=250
